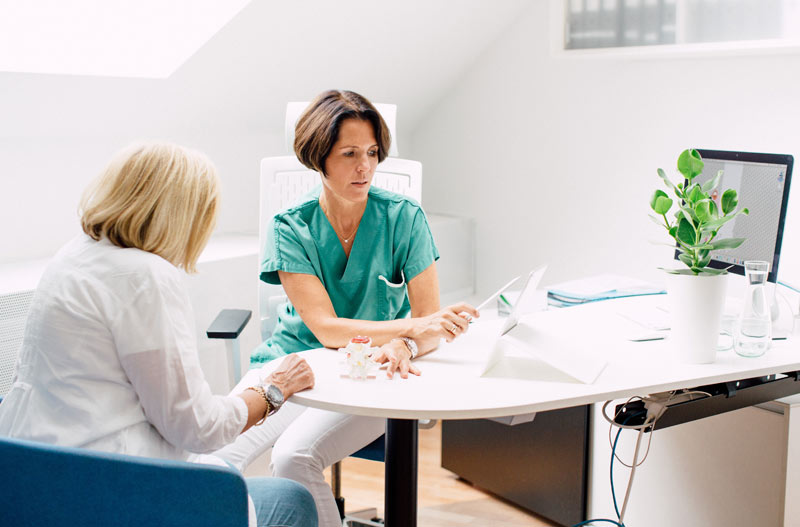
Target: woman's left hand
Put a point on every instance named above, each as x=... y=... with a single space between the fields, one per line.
x=397 y=354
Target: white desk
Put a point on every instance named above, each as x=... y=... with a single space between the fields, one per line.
x=450 y=388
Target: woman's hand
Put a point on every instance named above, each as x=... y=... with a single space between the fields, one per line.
x=397 y=354
x=292 y=376
x=447 y=324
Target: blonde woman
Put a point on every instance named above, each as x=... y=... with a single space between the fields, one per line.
x=109 y=359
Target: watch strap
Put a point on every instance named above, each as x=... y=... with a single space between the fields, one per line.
x=260 y=390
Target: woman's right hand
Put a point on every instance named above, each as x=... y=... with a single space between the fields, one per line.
x=447 y=323
x=293 y=375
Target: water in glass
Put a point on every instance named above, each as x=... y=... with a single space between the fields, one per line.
x=753 y=335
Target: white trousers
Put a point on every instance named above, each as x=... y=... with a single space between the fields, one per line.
x=304 y=442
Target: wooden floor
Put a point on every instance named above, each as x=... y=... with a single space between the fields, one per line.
x=444 y=499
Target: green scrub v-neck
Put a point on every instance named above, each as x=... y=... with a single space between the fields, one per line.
x=393 y=244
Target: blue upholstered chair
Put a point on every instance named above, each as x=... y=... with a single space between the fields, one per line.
x=57 y=486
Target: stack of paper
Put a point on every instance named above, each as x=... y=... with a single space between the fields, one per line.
x=601 y=287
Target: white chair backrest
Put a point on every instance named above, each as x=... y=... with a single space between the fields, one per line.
x=13 y=314
x=284 y=180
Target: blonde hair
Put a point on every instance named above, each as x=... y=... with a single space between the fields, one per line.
x=160 y=198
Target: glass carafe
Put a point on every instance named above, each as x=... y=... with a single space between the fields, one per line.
x=753 y=334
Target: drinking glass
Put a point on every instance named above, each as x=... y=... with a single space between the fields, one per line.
x=753 y=334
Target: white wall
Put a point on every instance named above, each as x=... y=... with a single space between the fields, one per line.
x=57 y=131
x=556 y=157
x=45 y=176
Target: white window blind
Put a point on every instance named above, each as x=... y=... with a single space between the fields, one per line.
x=591 y=24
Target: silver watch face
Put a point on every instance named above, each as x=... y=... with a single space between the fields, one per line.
x=275 y=396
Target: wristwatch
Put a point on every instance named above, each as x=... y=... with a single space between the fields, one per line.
x=274 y=397
x=411 y=345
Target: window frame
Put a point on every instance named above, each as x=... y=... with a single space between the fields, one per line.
x=738 y=48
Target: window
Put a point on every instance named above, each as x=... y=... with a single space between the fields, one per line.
x=590 y=24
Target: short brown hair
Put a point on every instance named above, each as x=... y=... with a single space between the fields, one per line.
x=318 y=127
x=160 y=198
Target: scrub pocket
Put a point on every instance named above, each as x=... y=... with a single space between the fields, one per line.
x=391 y=296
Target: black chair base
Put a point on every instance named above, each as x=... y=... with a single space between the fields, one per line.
x=365 y=518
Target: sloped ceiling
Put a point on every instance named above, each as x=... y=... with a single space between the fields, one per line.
x=147 y=39
x=406 y=51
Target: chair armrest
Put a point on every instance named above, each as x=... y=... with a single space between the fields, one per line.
x=229 y=324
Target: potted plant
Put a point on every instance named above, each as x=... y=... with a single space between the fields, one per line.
x=697 y=292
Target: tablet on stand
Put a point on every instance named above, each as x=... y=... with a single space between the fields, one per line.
x=554 y=350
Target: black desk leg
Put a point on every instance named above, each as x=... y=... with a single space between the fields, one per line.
x=401 y=473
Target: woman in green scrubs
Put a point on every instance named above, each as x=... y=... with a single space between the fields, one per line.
x=353 y=260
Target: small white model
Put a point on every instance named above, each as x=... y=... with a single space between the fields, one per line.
x=359 y=361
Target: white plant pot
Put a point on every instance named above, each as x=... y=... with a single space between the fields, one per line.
x=695 y=307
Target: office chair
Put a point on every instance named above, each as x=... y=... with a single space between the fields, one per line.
x=284 y=180
x=13 y=314
x=63 y=487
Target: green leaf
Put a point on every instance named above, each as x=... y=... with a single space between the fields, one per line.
x=663 y=204
x=712 y=183
x=675 y=271
x=714 y=225
x=702 y=210
x=688 y=213
x=714 y=209
x=685 y=258
x=712 y=271
x=660 y=202
x=692 y=272
x=729 y=201
x=657 y=194
x=673 y=231
x=665 y=244
x=690 y=164
x=658 y=221
x=705 y=258
x=727 y=243
x=696 y=194
x=670 y=184
x=686 y=232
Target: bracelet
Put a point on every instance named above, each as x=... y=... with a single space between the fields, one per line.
x=410 y=345
x=260 y=390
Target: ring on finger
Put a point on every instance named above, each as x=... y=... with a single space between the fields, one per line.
x=453 y=329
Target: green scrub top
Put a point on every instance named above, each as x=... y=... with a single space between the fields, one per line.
x=393 y=245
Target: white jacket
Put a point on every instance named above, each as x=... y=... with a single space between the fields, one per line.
x=109 y=360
